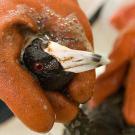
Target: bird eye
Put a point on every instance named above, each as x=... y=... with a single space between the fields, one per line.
x=38 y=67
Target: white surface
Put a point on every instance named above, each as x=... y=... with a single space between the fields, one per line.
x=103 y=37
x=15 y=127
x=90 y=6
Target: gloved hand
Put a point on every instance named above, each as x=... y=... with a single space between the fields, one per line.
x=121 y=70
x=37 y=108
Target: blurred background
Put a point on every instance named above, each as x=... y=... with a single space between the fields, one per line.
x=98 y=12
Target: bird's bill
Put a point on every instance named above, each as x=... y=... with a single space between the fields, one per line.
x=75 y=61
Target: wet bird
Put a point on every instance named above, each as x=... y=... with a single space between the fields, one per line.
x=55 y=65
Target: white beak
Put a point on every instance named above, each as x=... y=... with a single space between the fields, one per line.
x=75 y=61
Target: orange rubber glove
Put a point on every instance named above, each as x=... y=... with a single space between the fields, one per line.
x=121 y=70
x=34 y=106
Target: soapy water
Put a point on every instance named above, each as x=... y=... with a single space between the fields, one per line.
x=63 y=30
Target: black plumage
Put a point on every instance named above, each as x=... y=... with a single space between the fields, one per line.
x=44 y=66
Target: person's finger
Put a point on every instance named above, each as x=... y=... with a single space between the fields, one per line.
x=124 y=16
x=105 y=86
x=122 y=51
x=64 y=109
x=81 y=87
x=18 y=89
x=129 y=100
x=25 y=98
